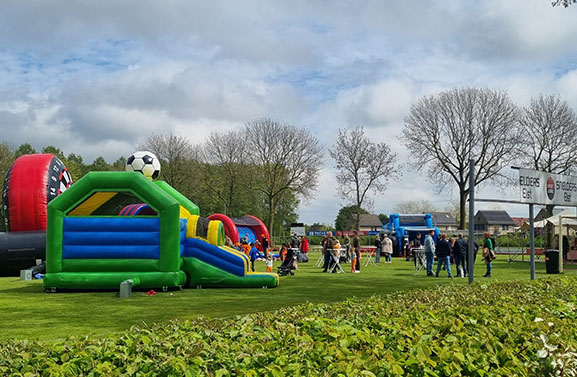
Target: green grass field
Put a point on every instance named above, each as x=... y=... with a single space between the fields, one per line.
x=26 y=312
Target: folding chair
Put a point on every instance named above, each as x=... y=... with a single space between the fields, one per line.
x=321 y=260
x=336 y=263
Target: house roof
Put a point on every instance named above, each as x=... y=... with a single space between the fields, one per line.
x=496 y=217
x=366 y=221
x=543 y=213
x=520 y=221
x=443 y=218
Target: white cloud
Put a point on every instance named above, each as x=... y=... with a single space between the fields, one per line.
x=94 y=78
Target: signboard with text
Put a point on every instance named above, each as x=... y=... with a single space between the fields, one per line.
x=298 y=228
x=538 y=187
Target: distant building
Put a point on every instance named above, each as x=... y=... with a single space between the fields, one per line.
x=521 y=222
x=494 y=222
x=542 y=214
x=367 y=222
x=445 y=222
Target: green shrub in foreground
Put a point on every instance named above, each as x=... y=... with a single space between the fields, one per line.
x=498 y=329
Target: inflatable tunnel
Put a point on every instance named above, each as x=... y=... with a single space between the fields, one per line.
x=249 y=227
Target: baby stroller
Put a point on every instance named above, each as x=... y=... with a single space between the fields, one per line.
x=287 y=266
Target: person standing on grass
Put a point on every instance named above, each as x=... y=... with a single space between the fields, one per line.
x=305 y=245
x=253 y=255
x=329 y=244
x=488 y=254
x=265 y=245
x=324 y=250
x=387 y=248
x=356 y=245
x=430 y=252
x=443 y=249
x=378 y=248
x=460 y=251
x=294 y=242
x=415 y=244
x=347 y=243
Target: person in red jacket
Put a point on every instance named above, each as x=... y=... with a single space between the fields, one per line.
x=305 y=245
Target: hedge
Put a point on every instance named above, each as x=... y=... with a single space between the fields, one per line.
x=493 y=329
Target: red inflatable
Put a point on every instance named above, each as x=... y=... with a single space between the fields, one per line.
x=31 y=183
x=247 y=224
x=229 y=227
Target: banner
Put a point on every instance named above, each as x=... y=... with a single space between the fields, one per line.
x=538 y=187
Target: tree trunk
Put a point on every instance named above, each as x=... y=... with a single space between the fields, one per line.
x=463 y=194
x=271 y=209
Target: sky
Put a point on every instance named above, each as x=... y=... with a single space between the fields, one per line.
x=96 y=77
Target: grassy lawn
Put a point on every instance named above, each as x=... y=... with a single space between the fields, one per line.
x=26 y=312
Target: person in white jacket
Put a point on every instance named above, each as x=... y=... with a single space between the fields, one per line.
x=387 y=248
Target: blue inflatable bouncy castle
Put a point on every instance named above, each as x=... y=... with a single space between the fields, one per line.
x=403 y=228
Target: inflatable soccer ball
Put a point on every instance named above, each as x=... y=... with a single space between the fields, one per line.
x=144 y=162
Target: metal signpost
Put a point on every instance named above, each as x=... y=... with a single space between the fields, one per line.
x=538 y=187
x=471 y=256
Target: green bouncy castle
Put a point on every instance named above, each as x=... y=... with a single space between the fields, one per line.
x=97 y=238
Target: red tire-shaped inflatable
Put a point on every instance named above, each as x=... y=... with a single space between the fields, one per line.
x=229 y=227
x=31 y=183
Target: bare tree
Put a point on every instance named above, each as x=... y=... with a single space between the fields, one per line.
x=549 y=136
x=415 y=206
x=287 y=159
x=444 y=131
x=362 y=166
x=7 y=157
x=565 y=3
x=225 y=151
x=175 y=153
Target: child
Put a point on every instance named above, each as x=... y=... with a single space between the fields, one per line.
x=269 y=263
x=253 y=255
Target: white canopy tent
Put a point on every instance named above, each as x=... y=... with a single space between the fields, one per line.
x=567 y=218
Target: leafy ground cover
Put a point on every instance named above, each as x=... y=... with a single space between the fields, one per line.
x=26 y=312
x=509 y=328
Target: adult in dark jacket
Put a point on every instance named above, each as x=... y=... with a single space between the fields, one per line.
x=328 y=247
x=460 y=251
x=378 y=248
x=265 y=245
x=443 y=250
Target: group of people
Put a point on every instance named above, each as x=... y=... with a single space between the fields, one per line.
x=334 y=253
x=458 y=249
x=299 y=243
x=384 y=246
x=250 y=248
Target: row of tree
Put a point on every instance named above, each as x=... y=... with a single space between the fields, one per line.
x=264 y=169
x=444 y=131
x=268 y=167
